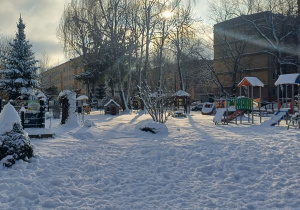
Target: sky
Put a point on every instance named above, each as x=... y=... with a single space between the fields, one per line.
x=42 y=18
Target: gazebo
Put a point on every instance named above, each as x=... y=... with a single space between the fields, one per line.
x=253 y=82
x=182 y=98
x=288 y=79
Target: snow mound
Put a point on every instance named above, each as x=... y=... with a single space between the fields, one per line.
x=8 y=118
x=151 y=126
x=89 y=123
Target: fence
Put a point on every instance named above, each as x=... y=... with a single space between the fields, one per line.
x=32 y=112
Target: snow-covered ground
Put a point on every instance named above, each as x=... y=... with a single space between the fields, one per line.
x=191 y=163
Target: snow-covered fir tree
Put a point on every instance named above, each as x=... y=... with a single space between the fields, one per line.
x=19 y=77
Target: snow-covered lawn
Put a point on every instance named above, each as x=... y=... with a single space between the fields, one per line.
x=189 y=164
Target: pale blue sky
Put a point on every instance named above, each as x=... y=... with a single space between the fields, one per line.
x=41 y=18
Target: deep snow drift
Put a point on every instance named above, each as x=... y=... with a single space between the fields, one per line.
x=190 y=164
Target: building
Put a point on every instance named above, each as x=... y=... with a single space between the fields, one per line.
x=240 y=51
x=62 y=77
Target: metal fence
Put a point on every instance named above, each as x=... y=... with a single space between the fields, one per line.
x=32 y=112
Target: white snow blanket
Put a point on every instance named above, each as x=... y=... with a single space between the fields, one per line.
x=190 y=164
x=276 y=118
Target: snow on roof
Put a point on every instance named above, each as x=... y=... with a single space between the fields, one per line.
x=41 y=95
x=181 y=93
x=82 y=97
x=112 y=101
x=250 y=81
x=8 y=117
x=288 y=79
x=155 y=94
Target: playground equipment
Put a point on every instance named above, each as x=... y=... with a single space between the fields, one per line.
x=294 y=120
x=238 y=106
x=287 y=79
x=292 y=80
x=278 y=116
x=225 y=115
x=207 y=108
x=229 y=109
x=253 y=82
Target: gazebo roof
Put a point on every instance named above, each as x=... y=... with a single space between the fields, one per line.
x=181 y=93
x=250 y=81
x=112 y=101
x=288 y=79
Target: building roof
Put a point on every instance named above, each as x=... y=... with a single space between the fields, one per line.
x=112 y=101
x=181 y=93
x=250 y=81
x=288 y=79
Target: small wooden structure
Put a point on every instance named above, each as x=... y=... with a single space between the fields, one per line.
x=288 y=79
x=247 y=82
x=112 y=107
x=182 y=100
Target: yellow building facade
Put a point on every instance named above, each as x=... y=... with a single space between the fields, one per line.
x=63 y=77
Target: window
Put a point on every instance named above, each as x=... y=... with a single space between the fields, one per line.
x=274 y=91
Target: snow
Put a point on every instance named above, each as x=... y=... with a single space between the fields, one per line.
x=8 y=117
x=82 y=97
x=190 y=164
x=19 y=78
x=207 y=108
x=253 y=82
x=182 y=93
x=112 y=101
x=288 y=79
x=72 y=120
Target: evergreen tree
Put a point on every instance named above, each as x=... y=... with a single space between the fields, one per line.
x=19 y=77
x=100 y=91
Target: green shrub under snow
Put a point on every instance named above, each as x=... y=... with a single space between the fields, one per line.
x=15 y=145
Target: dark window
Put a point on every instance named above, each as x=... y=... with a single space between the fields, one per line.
x=274 y=92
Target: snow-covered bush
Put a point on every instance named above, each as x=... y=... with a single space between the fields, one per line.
x=14 y=141
x=157 y=104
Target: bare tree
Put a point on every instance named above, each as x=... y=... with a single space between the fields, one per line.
x=182 y=36
x=4 y=46
x=124 y=41
x=269 y=25
x=44 y=62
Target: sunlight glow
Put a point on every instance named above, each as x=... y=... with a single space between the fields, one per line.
x=167 y=14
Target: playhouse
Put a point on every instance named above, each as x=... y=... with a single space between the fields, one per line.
x=112 y=107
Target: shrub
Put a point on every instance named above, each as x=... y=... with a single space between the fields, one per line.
x=15 y=145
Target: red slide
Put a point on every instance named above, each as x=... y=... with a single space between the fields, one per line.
x=233 y=116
